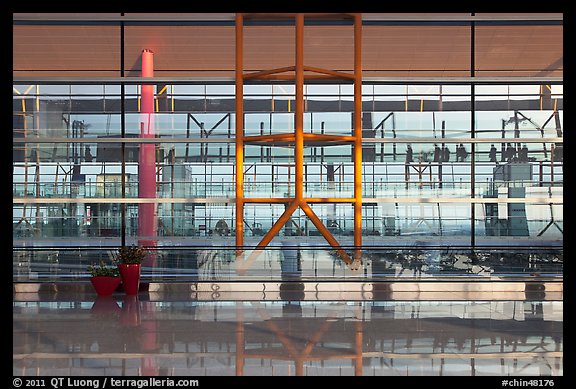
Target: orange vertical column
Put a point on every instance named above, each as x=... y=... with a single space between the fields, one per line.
x=299 y=113
x=239 y=132
x=358 y=130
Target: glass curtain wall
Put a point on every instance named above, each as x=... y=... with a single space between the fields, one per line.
x=462 y=120
x=444 y=163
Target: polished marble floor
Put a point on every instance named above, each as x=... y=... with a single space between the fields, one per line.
x=85 y=335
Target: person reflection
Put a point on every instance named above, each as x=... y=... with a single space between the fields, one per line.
x=409 y=154
x=510 y=152
x=88 y=155
x=558 y=152
x=445 y=154
x=461 y=153
x=437 y=153
x=291 y=273
x=492 y=153
x=523 y=154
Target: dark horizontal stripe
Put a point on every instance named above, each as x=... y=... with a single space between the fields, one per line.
x=256 y=70
x=285 y=22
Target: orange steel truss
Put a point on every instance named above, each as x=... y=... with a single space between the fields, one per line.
x=299 y=138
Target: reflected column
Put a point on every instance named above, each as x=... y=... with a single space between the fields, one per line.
x=358 y=340
x=239 y=339
x=149 y=339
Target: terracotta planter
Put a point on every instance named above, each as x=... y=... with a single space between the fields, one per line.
x=105 y=285
x=130 y=274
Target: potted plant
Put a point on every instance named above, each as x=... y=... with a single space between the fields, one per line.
x=105 y=279
x=128 y=260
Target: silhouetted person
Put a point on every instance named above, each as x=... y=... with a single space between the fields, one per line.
x=523 y=154
x=557 y=152
x=461 y=153
x=510 y=152
x=88 y=155
x=409 y=154
x=445 y=154
x=492 y=153
x=170 y=156
x=437 y=154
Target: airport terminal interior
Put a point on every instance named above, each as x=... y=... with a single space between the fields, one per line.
x=318 y=194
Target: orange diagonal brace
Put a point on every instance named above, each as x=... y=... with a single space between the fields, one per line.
x=278 y=225
x=243 y=265
x=270 y=138
x=286 y=342
x=290 y=77
x=332 y=73
x=268 y=72
x=316 y=337
x=328 y=138
x=325 y=233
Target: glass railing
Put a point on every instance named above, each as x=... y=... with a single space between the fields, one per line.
x=297 y=262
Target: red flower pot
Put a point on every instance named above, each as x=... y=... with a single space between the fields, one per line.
x=104 y=285
x=130 y=274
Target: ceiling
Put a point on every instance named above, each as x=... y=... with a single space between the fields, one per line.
x=391 y=50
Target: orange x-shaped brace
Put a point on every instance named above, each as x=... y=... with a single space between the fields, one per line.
x=299 y=73
x=243 y=265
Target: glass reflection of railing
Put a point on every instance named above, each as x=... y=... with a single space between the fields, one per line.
x=79 y=226
x=222 y=224
x=73 y=190
x=264 y=189
x=203 y=189
x=373 y=186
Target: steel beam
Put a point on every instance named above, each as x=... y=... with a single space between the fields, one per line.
x=299 y=114
x=239 y=131
x=358 y=130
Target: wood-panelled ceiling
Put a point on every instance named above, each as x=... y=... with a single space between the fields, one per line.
x=86 y=50
x=208 y=50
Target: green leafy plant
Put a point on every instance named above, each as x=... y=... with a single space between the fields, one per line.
x=130 y=255
x=102 y=270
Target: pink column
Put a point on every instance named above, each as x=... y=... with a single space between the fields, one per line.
x=147 y=220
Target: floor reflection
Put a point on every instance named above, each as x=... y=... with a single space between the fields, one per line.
x=129 y=335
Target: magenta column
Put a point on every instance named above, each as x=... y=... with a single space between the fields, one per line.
x=147 y=220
